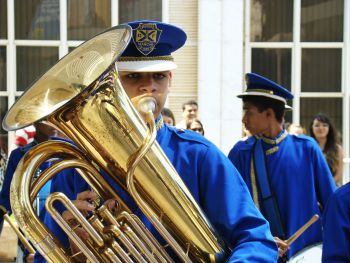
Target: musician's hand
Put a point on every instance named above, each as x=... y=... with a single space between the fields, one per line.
x=30 y=258
x=282 y=246
x=112 y=206
x=84 y=205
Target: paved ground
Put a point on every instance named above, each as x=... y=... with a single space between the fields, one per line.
x=8 y=244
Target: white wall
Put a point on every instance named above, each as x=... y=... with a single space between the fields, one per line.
x=220 y=72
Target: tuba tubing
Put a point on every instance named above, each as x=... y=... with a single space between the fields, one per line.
x=83 y=98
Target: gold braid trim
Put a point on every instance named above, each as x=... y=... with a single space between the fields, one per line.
x=130 y=59
x=260 y=90
x=272 y=150
x=274 y=142
x=160 y=124
x=254 y=186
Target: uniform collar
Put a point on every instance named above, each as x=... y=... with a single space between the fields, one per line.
x=159 y=122
x=283 y=134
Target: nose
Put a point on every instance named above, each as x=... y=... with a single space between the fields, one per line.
x=148 y=85
x=244 y=119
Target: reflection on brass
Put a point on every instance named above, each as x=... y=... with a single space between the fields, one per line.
x=82 y=96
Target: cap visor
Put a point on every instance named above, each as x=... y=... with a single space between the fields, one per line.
x=146 y=66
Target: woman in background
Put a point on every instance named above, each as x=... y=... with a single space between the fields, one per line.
x=195 y=125
x=323 y=130
x=168 y=117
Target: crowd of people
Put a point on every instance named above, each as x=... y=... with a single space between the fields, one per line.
x=256 y=198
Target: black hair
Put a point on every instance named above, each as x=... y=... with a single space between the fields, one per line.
x=189 y=123
x=331 y=147
x=263 y=103
x=190 y=102
x=167 y=112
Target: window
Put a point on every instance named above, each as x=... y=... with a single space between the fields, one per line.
x=301 y=45
x=322 y=20
x=135 y=10
x=39 y=37
x=37 y=19
x=3 y=110
x=273 y=63
x=271 y=20
x=321 y=70
x=3 y=19
x=86 y=18
x=3 y=70
x=27 y=70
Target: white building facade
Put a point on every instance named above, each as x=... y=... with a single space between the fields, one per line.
x=302 y=44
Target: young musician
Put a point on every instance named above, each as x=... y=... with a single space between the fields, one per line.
x=211 y=178
x=336 y=227
x=287 y=175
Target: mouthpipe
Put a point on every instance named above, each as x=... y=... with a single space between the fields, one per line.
x=147 y=104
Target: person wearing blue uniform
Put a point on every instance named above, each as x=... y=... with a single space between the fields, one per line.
x=43 y=133
x=336 y=227
x=287 y=175
x=211 y=178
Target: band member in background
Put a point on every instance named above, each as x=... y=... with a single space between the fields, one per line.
x=42 y=133
x=211 y=178
x=287 y=175
x=336 y=227
x=189 y=112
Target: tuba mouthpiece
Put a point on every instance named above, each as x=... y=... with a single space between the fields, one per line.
x=147 y=104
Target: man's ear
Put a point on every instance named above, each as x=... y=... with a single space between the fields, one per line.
x=270 y=113
x=170 y=78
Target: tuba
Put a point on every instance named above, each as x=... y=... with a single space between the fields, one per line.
x=82 y=97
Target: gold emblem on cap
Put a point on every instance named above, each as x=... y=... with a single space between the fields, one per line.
x=146 y=37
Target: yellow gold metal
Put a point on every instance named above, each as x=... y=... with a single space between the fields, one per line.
x=124 y=58
x=83 y=97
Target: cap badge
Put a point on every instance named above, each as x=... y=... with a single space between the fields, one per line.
x=146 y=37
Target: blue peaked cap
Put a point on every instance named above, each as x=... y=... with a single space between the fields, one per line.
x=151 y=46
x=260 y=86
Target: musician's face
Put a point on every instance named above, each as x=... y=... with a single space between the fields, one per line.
x=257 y=123
x=141 y=84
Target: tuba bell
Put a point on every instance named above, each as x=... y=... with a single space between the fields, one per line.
x=82 y=97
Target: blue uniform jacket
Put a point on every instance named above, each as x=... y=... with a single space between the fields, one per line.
x=214 y=183
x=15 y=156
x=299 y=177
x=336 y=227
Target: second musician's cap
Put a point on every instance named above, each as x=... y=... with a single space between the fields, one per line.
x=260 y=86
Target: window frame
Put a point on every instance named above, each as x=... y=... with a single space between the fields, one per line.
x=63 y=45
x=296 y=49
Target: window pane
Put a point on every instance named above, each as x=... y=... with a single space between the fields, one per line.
x=32 y=63
x=274 y=64
x=271 y=20
x=139 y=9
x=321 y=70
x=37 y=19
x=86 y=18
x=3 y=18
x=3 y=70
x=3 y=133
x=330 y=106
x=288 y=116
x=322 y=20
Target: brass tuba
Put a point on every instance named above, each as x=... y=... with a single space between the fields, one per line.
x=82 y=96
